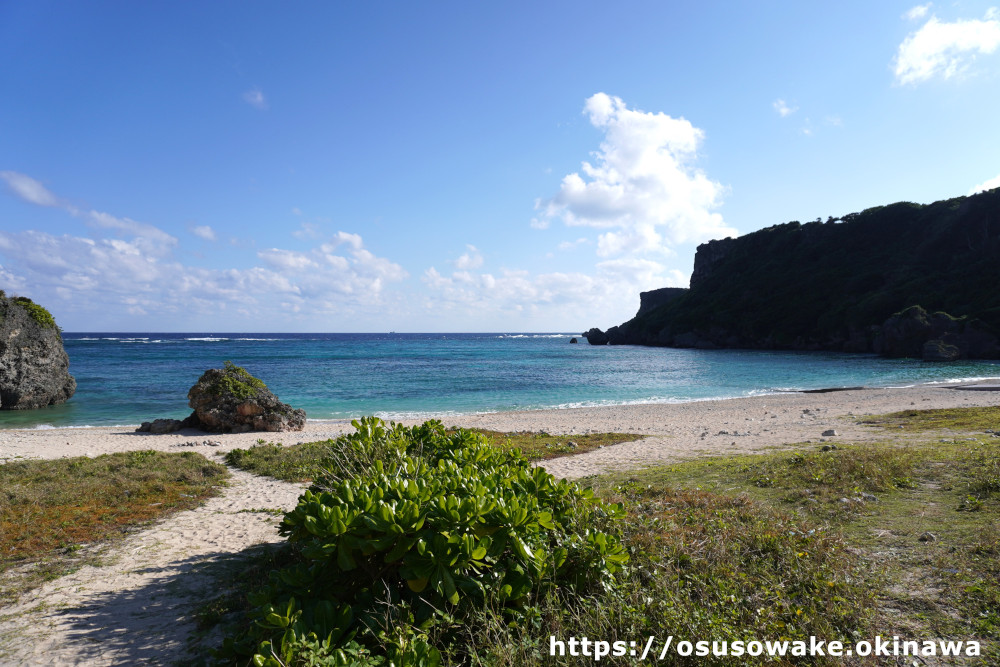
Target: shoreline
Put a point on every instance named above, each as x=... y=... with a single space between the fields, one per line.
x=986 y=383
x=670 y=431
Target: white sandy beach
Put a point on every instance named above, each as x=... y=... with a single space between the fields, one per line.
x=138 y=609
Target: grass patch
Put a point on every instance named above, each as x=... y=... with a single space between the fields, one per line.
x=307 y=461
x=52 y=512
x=923 y=518
x=293 y=463
x=537 y=446
x=956 y=419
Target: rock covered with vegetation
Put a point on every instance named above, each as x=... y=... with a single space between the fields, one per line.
x=34 y=366
x=847 y=284
x=231 y=400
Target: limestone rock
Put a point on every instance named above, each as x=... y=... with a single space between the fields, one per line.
x=34 y=366
x=230 y=400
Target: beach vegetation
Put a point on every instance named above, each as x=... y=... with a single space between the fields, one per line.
x=53 y=513
x=982 y=419
x=926 y=528
x=237 y=382
x=409 y=534
x=306 y=461
x=36 y=312
x=835 y=540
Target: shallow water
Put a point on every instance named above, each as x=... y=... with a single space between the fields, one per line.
x=128 y=378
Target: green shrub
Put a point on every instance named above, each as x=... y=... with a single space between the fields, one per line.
x=411 y=533
x=37 y=313
x=236 y=381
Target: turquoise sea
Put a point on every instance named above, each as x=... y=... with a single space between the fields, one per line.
x=124 y=379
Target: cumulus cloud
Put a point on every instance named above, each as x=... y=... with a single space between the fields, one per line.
x=255 y=98
x=986 y=185
x=946 y=50
x=29 y=189
x=560 y=297
x=204 y=232
x=129 y=267
x=783 y=109
x=472 y=259
x=642 y=184
x=149 y=238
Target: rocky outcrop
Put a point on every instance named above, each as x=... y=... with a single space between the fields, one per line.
x=653 y=299
x=34 y=366
x=934 y=337
x=596 y=337
x=707 y=257
x=847 y=284
x=231 y=400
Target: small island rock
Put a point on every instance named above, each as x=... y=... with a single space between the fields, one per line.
x=231 y=400
x=34 y=366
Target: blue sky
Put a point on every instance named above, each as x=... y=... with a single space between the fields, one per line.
x=456 y=166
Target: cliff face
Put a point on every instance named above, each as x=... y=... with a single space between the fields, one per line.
x=847 y=284
x=33 y=363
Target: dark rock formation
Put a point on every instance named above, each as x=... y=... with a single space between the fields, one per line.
x=230 y=400
x=166 y=425
x=573 y=340
x=933 y=337
x=653 y=299
x=848 y=284
x=34 y=366
x=596 y=337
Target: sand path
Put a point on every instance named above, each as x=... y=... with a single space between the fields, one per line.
x=138 y=608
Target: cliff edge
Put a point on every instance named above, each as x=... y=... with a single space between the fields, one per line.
x=899 y=280
x=34 y=366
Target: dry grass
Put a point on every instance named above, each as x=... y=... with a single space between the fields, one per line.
x=51 y=511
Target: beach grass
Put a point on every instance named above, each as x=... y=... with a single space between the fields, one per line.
x=922 y=516
x=54 y=514
x=955 y=419
x=304 y=462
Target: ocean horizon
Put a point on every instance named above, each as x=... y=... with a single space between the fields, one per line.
x=125 y=378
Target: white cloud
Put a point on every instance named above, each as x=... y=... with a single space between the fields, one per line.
x=469 y=260
x=918 y=12
x=204 y=232
x=340 y=238
x=940 y=49
x=286 y=260
x=29 y=189
x=152 y=239
x=986 y=185
x=610 y=294
x=783 y=109
x=642 y=183
x=255 y=98
x=136 y=273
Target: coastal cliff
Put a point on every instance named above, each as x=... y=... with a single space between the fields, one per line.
x=34 y=366
x=903 y=280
